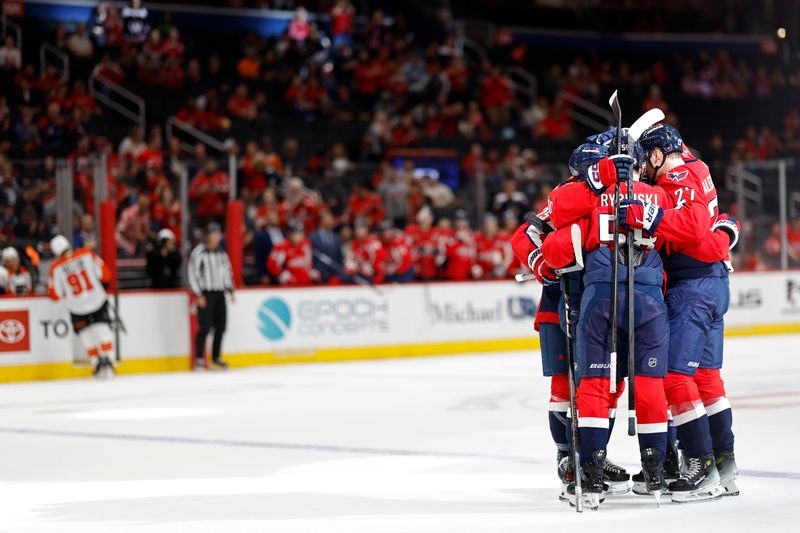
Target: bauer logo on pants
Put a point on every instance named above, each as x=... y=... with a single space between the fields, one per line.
x=14 y=328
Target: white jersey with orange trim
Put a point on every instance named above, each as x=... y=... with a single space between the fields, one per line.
x=20 y=282
x=78 y=280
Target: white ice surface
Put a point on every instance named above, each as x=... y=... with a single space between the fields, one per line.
x=450 y=444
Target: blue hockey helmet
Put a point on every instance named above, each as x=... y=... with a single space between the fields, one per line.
x=584 y=156
x=662 y=136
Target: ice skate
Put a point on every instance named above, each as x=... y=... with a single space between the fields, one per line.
x=650 y=481
x=591 y=482
x=219 y=364
x=700 y=482
x=616 y=478
x=564 y=473
x=726 y=466
x=104 y=368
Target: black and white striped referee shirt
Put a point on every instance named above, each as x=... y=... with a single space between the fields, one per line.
x=209 y=270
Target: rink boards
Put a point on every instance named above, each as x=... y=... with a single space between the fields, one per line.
x=270 y=326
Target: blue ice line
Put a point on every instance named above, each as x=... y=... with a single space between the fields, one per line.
x=326 y=448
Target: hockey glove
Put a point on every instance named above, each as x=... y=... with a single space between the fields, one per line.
x=544 y=274
x=636 y=214
x=729 y=225
x=609 y=171
x=604 y=138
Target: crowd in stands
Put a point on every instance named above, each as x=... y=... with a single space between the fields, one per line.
x=399 y=222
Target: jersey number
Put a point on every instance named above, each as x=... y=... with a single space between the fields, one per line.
x=79 y=282
x=607 y=233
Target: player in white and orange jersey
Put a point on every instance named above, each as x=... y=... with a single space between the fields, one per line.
x=77 y=278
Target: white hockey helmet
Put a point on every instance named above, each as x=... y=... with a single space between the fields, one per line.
x=9 y=254
x=59 y=244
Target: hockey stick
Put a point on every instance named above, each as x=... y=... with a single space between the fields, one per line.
x=573 y=403
x=340 y=269
x=617 y=111
x=649 y=118
x=631 y=330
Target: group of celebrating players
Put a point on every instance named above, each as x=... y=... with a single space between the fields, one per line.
x=680 y=267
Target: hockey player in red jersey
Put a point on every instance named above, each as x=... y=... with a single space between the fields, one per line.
x=366 y=256
x=697 y=298
x=494 y=250
x=428 y=245
x=291 y=261
x=398 y=256
x=461 y=252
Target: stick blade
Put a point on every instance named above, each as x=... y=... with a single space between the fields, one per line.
x=643 y=123
x=613 y=100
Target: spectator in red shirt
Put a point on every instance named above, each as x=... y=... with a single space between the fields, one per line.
x=166 y=213
x=173 y=47
x=209 y=190
x=109 y=70
x=655 y=101
x=342 y=23
x=299 y=206
x=152 y=156
x=240 y=105
x=171 y=73
x=364 y=205
x=496 y=96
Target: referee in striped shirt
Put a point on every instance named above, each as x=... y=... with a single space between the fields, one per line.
x=210 y=276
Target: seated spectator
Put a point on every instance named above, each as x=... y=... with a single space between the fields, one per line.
x=110 y=70
x=240 y=105
x=510 y=199
x=249 y=67
x=299 y=206
x=209 y=191
x=10 y=57
x=133 y=228
x=291 y=261
x=655 y=101
x=326 y=242
x=132 y=145
x=267 y=235
x=364 y=205
x=173 y=47
x=79 y=44
x=496 y=96
x=86 y=236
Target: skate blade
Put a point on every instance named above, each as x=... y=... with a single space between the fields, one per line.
x=618 y=488
x=590 y=501
x=706 y=495
x=657 y=497
x=730 y=489
x=641 y=490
